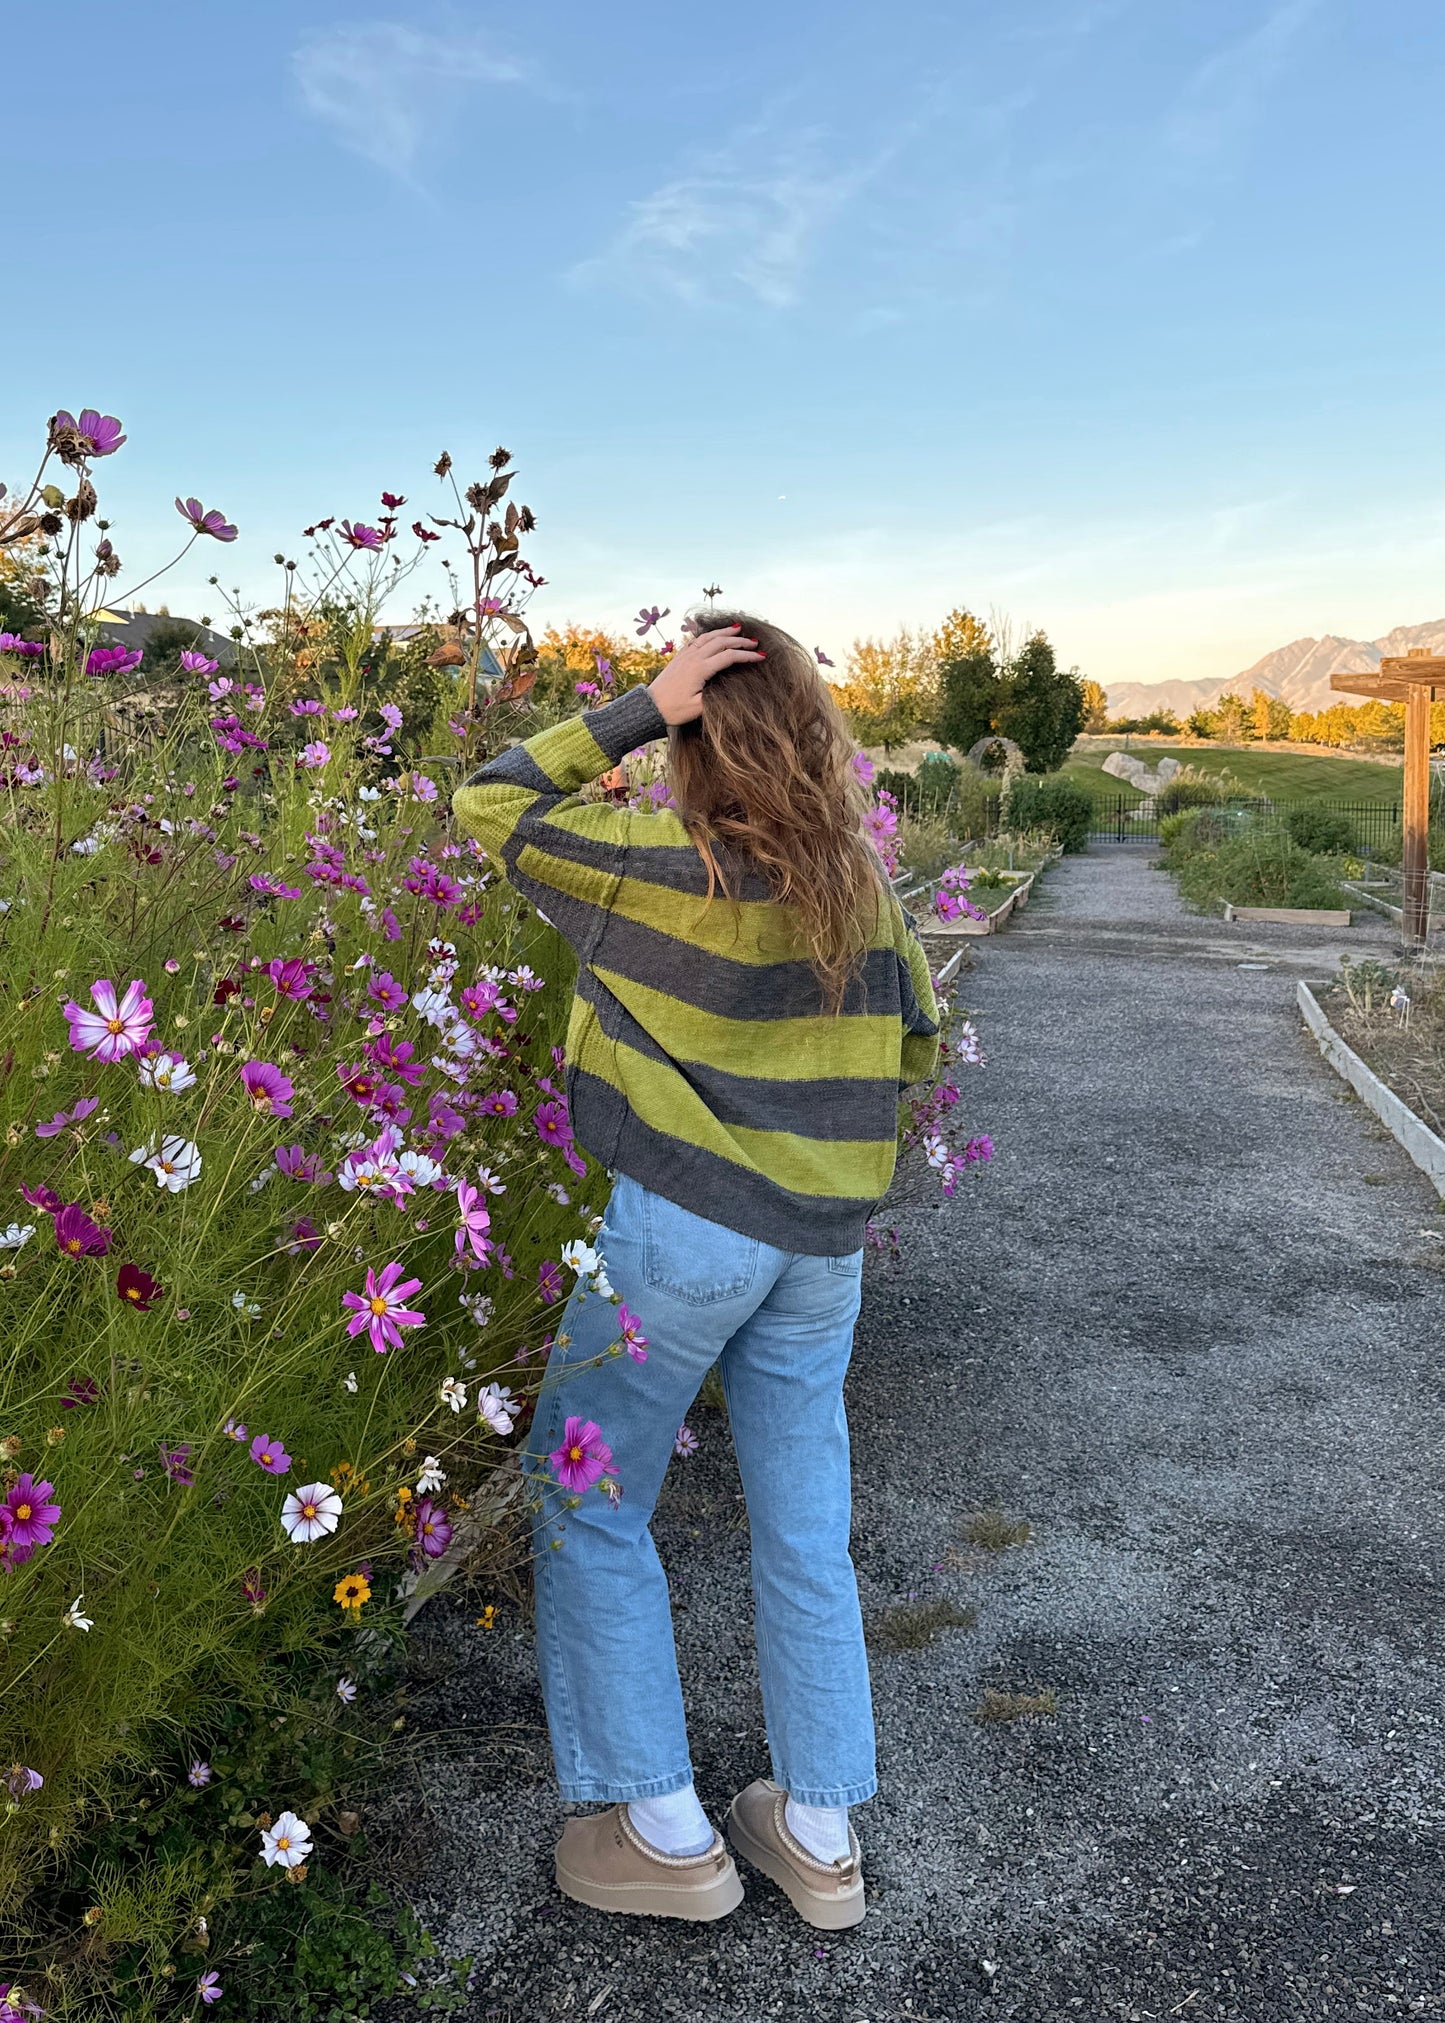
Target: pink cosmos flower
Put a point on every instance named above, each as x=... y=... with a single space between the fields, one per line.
x=296 y=1163
x=304 y=1236
x=378 y=1310
x=433 y=1528
x=114 y=1029
x=686 y=1443
x=213 y=523
x=77 y=1235
x=315 y=754
x=209 y=1987
x=549 y=1282
x=63 y=1117
x=475 y=1222
x=90 y=434
x=33 y=1517
x=821 y=657
x=552 y=1125
x=272 y=888
x=197 y=663
x=292 y=977
x=387 y=991
x=176 y=1462
x=44 y=1198
x=269 y=1090
x=629 y=1329
x=583 y=1456
x=199 y=1773
x=500 y=1103
x=359 y=536
x=270 y=1455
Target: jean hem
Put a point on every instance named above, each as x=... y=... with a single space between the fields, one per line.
x=597 y=1791
x=828 y=1795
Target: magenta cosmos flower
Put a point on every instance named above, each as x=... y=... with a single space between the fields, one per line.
x=88 y=434
x=115 y=1028
x=552 y=1125
x=197 y=663
x=33 y=1517
x=269 y=1090
x=270 y=1455
x=433 y=1528
x=378 y=1311
x=103 y=660
x=359 y=536
x=476 y=1220
x=77 y=1235
x=583 y=1456
x=629 y=1329
x=213 y=523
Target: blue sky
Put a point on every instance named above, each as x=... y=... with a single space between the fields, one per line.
x=1122 y=316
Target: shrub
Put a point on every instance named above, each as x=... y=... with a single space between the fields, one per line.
x=1324 y=832
x=1256 y=866
x=1187 y=791
x=1052 y=803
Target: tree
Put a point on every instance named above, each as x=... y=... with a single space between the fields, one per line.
x=1202 y=723
x=1096 y=706
x=1271 y=717
x=1234 y=720
x=890 y=688
x=571 y=655
x=1043 y=705
x=970 y=690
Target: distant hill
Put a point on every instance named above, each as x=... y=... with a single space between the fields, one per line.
x=1298 y=673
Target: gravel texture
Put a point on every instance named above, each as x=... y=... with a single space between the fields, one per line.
x=1189 y=1328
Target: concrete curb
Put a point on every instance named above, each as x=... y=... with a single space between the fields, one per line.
x=1424 y=1147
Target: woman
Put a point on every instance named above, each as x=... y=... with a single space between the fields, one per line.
x=750 y=997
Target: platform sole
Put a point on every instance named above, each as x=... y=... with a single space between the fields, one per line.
x=659 y=1899
x=828 y=1910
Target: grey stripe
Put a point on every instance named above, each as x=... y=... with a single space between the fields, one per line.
x=739 y=990
x=621 y=726
x=675 y=867
x=514 y=767
x=613 y=1133
x=826 y=1107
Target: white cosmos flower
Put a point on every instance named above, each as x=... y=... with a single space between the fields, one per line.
x=175 y=1162
x=369 y=794
x=581 y=1258
x=453 y=1393
x=16 y=1236
x=435 y=1007
x=498 y=1407
x=345 y=1691
x=286 y=1844
x=489 y=1183
x=311 y=1512
x=431 y=1476
x=74 y=1619
x=166 y=1071
x=348 y=1382
x=423 y=1170
x=479 y=1306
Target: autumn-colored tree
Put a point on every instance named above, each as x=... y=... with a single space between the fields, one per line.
x=1269 y=716
x=570 y=654
x=1096 y=705
x=889 y=688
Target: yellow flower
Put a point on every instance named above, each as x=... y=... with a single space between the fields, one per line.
x=351 y=1591
x=487 y=1620
x=403 y=1505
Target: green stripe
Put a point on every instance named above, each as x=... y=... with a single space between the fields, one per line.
x=859 y=1048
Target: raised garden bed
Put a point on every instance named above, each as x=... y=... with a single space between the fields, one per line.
x=1302 y=916
x=1424 y=1145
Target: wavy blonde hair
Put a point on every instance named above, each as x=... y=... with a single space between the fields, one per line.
x=767 y=772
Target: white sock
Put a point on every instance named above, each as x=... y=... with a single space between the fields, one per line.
x=673 y=1824
x=822 y=1829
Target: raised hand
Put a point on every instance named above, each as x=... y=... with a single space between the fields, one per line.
x=677 y=690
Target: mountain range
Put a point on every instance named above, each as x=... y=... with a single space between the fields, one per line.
x=1298 y=673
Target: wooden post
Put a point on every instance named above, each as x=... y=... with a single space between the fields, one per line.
x=1415 y=860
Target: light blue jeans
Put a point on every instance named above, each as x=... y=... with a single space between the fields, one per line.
x=780 y=1327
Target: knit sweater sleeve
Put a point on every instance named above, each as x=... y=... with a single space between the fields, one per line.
x=919 y=1062
x=525 y=807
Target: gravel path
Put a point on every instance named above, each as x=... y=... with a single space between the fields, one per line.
x=1188 y=1327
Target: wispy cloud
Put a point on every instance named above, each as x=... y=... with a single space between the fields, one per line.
x=380 y=86
x=1227 y=91
x=751 y=213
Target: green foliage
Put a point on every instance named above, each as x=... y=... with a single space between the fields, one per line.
x=1324 y=832
x=1162 y=722
x=927 y=844
x=1043 y=706
x=1392 y=850
x=969 y=687
x=1220 y=854
x=1187 y=791
x=1058 y=805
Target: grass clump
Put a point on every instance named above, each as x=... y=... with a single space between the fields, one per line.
x=913 y=1626
x=999 y=1705
x=995 y=1530
x=1220 y=854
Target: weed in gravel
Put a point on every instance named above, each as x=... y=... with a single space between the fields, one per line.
x=997 y=1705
x=996 y=1530
x=913 y=1626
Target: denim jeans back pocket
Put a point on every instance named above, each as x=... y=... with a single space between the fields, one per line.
x=850 y=1265
x=691 y=1259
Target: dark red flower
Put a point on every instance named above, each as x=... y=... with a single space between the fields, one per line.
x=391 y=500
x=138 y=1288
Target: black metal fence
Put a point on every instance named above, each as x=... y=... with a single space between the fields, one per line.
x=1123 y=820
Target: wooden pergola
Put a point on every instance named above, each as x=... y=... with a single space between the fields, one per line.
x=1411 y=679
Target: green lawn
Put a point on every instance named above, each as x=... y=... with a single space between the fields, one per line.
x=1285 y=776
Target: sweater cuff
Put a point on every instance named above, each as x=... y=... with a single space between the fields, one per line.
x=620 y=727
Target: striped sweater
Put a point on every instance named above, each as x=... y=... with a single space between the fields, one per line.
x=701 y=1061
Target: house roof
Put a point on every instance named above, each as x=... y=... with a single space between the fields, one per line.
x=122 y=627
